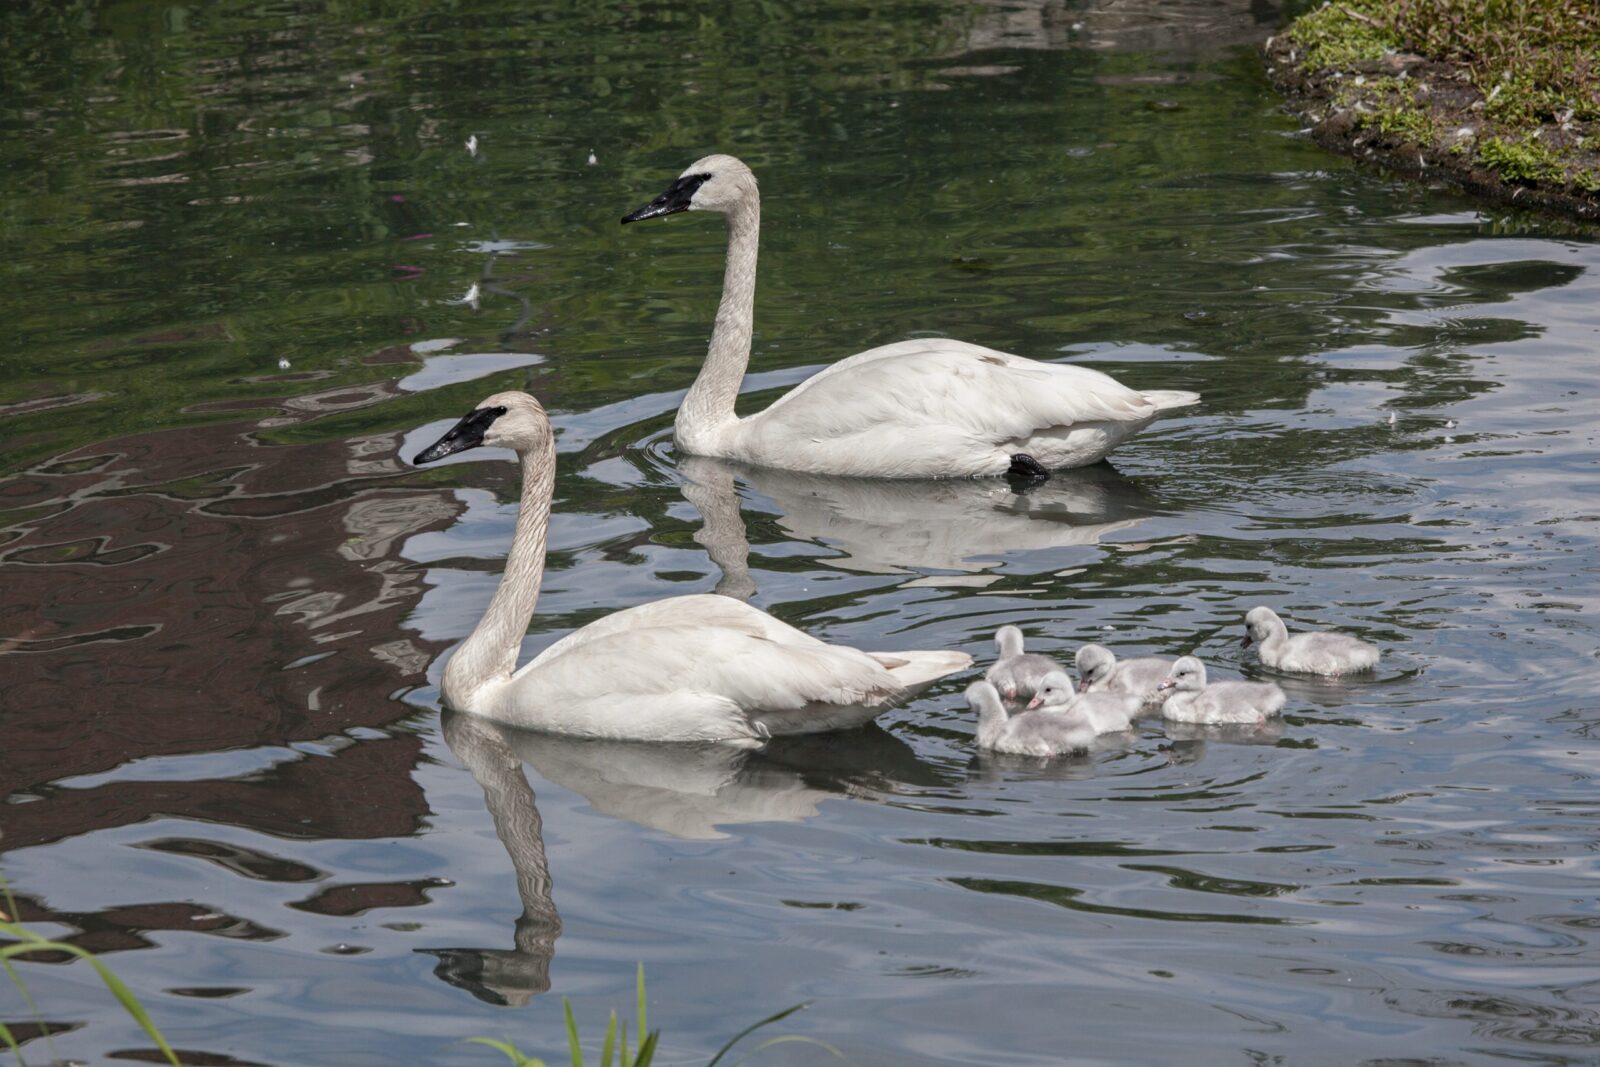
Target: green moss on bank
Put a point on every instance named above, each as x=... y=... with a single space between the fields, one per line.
x=1333 y=37
x=1503 y=96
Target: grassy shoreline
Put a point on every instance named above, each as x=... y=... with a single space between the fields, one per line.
x=1498 y=97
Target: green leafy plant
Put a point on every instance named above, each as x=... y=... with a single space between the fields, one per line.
x=24 y=941
x=614 y=1045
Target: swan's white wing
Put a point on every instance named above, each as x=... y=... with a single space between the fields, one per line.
x=946 y=407
x=699 y=609
x=752 y=670
x=706 y=668
x=958 y=384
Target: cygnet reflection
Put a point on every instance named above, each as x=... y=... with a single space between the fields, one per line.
x=889 y=527
x=990 y=767
x=1225 y=733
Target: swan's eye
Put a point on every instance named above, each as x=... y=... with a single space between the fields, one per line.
x=682 y=191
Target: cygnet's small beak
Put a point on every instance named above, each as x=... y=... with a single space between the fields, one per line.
x=677 y=198
x=1038 y=698
x=1246 y=642
x=1168 y=684
x=468 y=433
x=1083 y=685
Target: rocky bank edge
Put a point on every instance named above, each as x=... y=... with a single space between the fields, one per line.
x=1346 y=69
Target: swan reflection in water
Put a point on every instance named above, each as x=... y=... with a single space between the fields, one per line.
x=684 y=789
x=891 y=527
x=505 y=976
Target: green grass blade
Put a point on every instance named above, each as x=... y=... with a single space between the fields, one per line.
x=625 y=1061
x=124 y=995
x=130 y=1004
x=11 y=1043
x=22 y=987
x=573 y=1043
x=647 y=1049
x=742 y=1034
x=609 y=1045
x=513 y=1053
x=785 y=1039
x=643 y=1022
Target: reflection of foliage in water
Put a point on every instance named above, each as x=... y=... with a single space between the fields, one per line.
x=212 y=189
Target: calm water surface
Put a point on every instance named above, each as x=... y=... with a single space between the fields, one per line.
x=249 y=264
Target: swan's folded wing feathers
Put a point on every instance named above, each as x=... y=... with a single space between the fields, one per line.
x=698 y=609
x=990 y=395
x=750 y=669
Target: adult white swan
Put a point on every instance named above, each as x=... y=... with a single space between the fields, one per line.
x=928 y=408
x=689 y=668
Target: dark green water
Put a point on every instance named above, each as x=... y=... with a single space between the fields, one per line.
x=224 y=600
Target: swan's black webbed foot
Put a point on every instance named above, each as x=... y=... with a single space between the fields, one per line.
x=1025 y=471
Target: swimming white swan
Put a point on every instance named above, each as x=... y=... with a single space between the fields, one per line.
x=928 y=408
x=689 y=668
x=1107 y=713
x=1308 y=653
x=1192 y=700
x=1016 y=674
x=1100 y=671
x=1027 y=733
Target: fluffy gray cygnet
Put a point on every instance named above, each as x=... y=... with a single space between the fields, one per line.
x=1107 y=713
x=1027 y=733
x=1016 y=674
x=1100 y=671
x=1192 y=700
x=1308 y=653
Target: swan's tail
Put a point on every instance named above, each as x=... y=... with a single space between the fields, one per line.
x=912 y=671
x=1167 y=399
x=915 y=671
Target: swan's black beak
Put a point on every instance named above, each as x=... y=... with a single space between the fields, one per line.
x=674 y=200
x=468 y=433
x=1246 y=642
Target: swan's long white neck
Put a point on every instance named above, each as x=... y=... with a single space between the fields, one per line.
x=490 y=654
x=708 y=407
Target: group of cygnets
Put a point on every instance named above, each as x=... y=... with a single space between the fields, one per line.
x=1061 y=718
